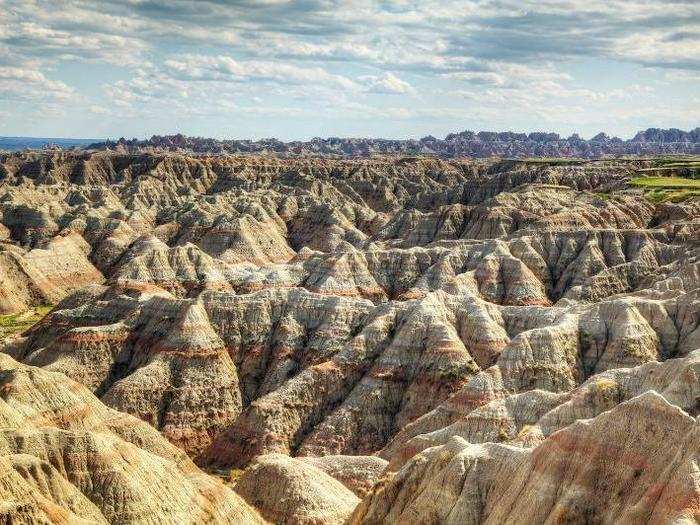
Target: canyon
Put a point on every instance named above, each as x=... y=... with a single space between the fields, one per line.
x=304 y=339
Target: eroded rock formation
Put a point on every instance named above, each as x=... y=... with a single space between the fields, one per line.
x=290 y=491
x=393 y=329
x=636 y=463
x=67 y=458
x=465 y=143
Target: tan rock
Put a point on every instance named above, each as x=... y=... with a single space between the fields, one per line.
x=291 y=491
x=65 y=457
x=633 y=464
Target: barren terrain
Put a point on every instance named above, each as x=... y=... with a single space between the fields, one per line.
x=390 y=339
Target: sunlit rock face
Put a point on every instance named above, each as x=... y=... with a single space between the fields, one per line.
x=65 y=457
x=444 y=341
x=636 y=463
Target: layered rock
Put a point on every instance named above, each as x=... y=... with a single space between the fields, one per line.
x=290 y=491
x=526 y=419
x=358 y=473
x=44 y=275
x=636 y=463
x=332 y=323
x=66 y=457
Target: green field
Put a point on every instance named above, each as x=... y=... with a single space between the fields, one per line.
x=684 y=167
x=662 y=189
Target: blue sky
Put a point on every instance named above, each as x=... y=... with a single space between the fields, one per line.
x=299 y=69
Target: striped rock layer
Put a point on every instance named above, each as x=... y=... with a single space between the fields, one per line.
x=445 y=340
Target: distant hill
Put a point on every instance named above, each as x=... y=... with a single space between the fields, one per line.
x=20 y=143
x=652 y=141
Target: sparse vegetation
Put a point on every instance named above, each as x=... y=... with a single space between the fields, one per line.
x=525 y=431
x=17 y=323
x=228 y=476
x=234 y=475
x=456 y=372
x=604 y=387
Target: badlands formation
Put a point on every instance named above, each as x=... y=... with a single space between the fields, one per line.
x=248 y=339
x=652 y=141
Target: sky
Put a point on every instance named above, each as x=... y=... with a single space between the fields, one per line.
x=307 y=68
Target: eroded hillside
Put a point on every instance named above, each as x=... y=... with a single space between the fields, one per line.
x=438 y=341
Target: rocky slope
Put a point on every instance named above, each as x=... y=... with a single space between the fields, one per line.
x=413 y=332
x=67 y=458
x=287 y=490
x=652 y=141
x=636 y=463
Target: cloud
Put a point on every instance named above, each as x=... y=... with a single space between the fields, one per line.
x=33 y=40
x=227 y=69
x=21 y=84
x=433 y=35
x=336 y=58
x=98 y=110
x=201 y=81
x=388 y=83
x=528 y=31
x=660 y=49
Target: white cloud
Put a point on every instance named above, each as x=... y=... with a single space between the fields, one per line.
x=18 y=83
x=98 y=110
x=226 y=69
x=43 y=42
x=490 y=58
x=387 y=83
x=661 y=48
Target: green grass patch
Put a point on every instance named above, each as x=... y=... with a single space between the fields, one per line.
x=668 y=189
x=666 y=182
x=670 y=168
x=17 y=323
x=682 y=166
x=677 y=162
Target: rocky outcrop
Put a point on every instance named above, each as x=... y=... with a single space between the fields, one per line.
x=466 y=143
x=65 y=457
x=636 y=463
x=186 y=384
x=358 y=473
x=290 y=491
x=526 y=419
x=44 y=275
